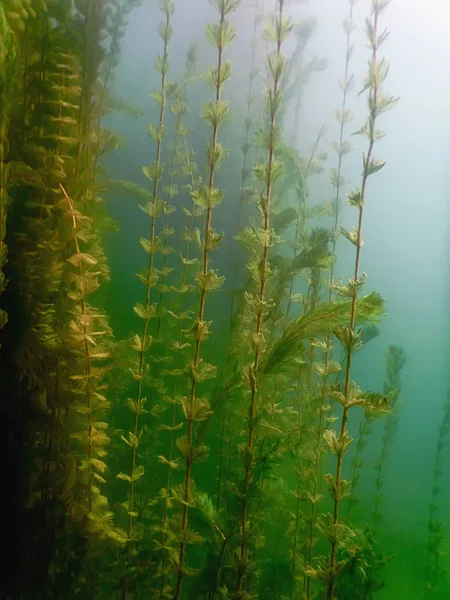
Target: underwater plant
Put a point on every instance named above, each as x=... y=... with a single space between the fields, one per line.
x=362 y=576
x=207 y=197
x=146 y=311
x=349 y=395
x=260 y=273
x=188 y=461
x=395 y=361
x=436 y=577
x=329 y=367
x=245 y=190
x=63 y=351
x=181 y=158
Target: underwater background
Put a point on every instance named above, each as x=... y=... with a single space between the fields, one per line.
x=223 y=310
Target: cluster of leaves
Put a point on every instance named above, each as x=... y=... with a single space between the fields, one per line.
x=52 y=144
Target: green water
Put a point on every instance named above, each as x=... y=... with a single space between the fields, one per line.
x=223 y=300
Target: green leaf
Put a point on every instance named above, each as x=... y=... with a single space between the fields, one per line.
x=322 y=319
x=157 y=96
x=370 y=309
x=200 y=453
x=205 y=197
x=157 y=133
x=210 y=281
x=355 y=199
x=352 y=236
x=81 y=258
x=283 y=219
x=153 y=172
x=220 y=34
x=149 y=246
x=139 y=472
x=144 y=313
x=216 y=154
x=215 y=113
x=173 y=464
x=347 y=337
x=374 y=166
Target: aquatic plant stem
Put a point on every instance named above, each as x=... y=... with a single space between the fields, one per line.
x=179 y=110
x=199 y=326
x=434 y=551
x=143 y=341
x=395 y=361
x=301 y=222
x=183 y=280
x=373 y=83
x=239 y=225
x=343 y=429
x=86 y=343
x=253 y=377
x=346 y=88
x=246 y=148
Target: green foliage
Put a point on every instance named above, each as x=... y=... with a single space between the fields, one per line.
x=349 y=395
x=328 y=316
x=181 y=462
x=436 y=578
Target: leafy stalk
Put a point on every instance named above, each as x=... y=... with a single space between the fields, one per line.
x=86 y=328
x=330 y=367
x=301 y=231
x=207 y=197
x=178 y=157
x=244 y=190
x=434 y=573
x=181 y=153
x=378 y=102
x=395 y=361
x=149 y=278
x=261 y=273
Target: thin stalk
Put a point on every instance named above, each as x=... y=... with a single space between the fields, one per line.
x=365 y=428
x=373 y=85
x=140 y=372
x=183 y=280
x=198 y=338
x=179 y=110
x=87 y=349
x=435 y=534
x=346 y=87
x=239 y=225
x=246 y=148
x=300 y=224
x=395 y=361
x=261 y=298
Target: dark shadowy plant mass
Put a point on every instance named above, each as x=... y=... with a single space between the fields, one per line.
x=179 y=462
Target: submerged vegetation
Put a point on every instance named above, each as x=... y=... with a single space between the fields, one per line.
x=209 y=453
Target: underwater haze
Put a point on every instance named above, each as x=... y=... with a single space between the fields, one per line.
x=224 y=335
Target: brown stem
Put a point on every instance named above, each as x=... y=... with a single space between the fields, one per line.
x=349 y=352
x=140 y=373
x=189 y=448
x=180 y=339
x=86 y=345
x=337 y=198
x=261 y=296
